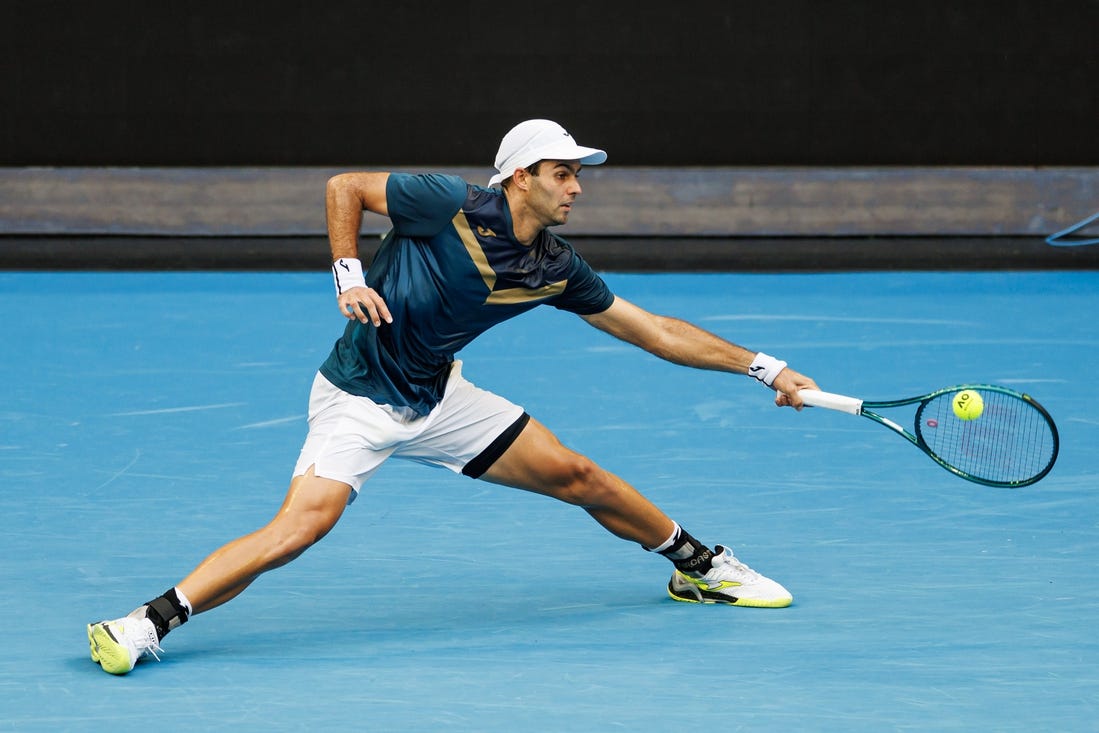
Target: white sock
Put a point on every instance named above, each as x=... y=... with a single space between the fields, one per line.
x=183 y=600
x=670 y=541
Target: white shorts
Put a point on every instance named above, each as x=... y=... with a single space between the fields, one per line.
x=350 y=437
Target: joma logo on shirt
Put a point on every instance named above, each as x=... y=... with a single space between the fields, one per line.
x=485 y=232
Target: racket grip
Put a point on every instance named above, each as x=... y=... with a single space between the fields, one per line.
x=838 y=402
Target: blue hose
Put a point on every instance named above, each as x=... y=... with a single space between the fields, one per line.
x=1059 y=239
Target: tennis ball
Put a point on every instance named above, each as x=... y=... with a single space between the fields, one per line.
x=968 y=405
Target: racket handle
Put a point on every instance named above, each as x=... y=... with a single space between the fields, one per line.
x=841 y=403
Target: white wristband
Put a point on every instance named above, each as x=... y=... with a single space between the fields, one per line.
x=348 y=273
x=765 y=368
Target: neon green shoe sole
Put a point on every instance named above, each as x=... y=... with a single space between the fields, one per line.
x=700 y=593
x=117 y=645
x=108 y=652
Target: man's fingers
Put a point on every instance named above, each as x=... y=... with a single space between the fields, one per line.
x=787 y=386
x=365 y=305
x=383 y=312
x=367 y=312
x=352 y=309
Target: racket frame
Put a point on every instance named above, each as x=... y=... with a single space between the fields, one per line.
x=865 y=408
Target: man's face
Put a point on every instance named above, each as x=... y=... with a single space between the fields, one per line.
x=553 y=190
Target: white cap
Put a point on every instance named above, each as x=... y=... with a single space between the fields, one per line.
x=535 y=140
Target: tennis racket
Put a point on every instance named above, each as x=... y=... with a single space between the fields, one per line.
x=1011 y=442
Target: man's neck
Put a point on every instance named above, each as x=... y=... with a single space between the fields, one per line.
x=525 y=227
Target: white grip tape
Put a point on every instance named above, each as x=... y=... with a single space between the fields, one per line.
x=347 y=273
x=838 y=402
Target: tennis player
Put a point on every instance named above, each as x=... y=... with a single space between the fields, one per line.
x=459 y=259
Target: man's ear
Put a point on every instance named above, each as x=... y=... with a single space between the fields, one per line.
x=520 y=178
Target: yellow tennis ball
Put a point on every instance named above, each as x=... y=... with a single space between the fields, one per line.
x=968 y=405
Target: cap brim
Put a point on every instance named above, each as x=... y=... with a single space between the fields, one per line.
x=571 y=151
x=565 y=150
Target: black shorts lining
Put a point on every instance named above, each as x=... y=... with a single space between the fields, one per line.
x=496 y=448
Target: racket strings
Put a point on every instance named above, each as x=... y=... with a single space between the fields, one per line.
x=1010 y=442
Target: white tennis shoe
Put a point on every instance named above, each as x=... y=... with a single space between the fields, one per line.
x=729 y=581
x=117 y=645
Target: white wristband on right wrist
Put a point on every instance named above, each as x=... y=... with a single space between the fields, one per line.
x=765 y=368
x=348 y=273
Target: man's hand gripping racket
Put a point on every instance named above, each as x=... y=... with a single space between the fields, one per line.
x=983 y=433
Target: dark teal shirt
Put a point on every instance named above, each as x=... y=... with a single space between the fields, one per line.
x=449 y=270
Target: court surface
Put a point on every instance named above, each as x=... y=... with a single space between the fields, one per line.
x=150 y=417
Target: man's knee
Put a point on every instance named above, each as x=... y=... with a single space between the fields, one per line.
x=289 y=536
x=580 y=481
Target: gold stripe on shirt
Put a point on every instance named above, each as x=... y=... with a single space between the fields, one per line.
x=473 y=247
x=511 y=296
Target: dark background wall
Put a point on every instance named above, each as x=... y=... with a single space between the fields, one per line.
x=791 y=82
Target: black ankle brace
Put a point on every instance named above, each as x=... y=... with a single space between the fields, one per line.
x=166 y=613
x=689 y=556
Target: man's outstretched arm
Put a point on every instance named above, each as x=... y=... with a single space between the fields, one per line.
x=681 y=342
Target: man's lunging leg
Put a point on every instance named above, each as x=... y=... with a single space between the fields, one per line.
x=312 y=507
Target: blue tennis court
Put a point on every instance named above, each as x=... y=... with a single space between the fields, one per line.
x=150 y=417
